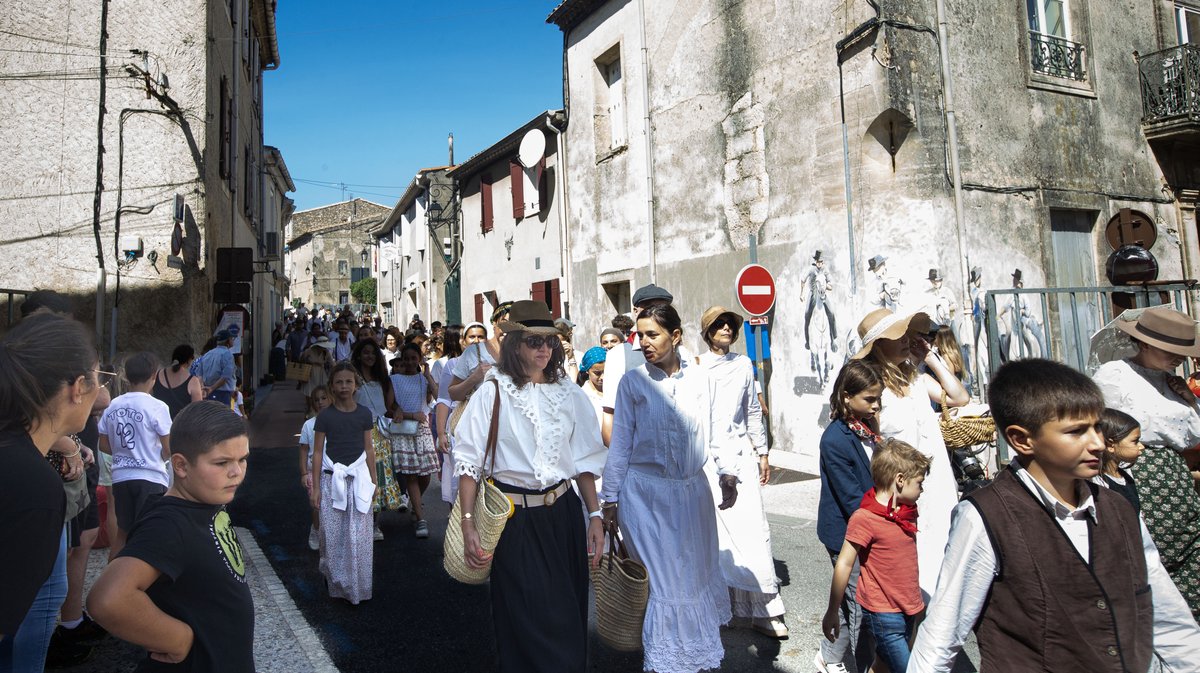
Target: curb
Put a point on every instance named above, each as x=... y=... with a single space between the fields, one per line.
x=306 y=639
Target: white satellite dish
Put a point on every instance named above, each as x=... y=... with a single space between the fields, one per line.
x=533 y=148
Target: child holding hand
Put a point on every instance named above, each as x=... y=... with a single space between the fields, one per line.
x=882 y=536
x=343 y=489
x=318 y=401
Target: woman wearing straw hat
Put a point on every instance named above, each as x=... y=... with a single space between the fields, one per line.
x=898 y=345
x=547 y=436
x=1147 y=387
x=746 y=559
x=661 y=439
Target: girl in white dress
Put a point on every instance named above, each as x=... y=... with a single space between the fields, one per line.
x=655 y=474
x=896 y=344
x=746 y=559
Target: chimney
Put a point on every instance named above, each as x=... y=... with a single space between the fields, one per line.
x=450 y=142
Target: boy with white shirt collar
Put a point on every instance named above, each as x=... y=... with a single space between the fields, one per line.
x=1053 y=573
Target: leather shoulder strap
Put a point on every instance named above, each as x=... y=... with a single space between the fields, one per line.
x=493 y=431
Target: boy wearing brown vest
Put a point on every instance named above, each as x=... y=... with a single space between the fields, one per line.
x=1053 y=572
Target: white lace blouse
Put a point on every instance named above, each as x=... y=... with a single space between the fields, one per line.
x=1166 y=420
x=547 y=433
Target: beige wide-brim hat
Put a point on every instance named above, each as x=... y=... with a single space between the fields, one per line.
x=1164 y=328
x=714 y=313
x=882 y=323
x=529 y=316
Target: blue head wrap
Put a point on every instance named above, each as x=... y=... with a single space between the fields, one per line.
x=592 y=356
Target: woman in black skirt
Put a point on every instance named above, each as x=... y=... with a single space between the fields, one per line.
x=547 y=436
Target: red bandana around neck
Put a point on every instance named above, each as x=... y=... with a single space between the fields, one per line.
x=905 y=517
x=862 y=430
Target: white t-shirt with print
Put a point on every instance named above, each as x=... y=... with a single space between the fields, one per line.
x=307 y=433
x=134 y=422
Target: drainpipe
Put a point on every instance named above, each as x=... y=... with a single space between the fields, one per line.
x=649 y=142
x=952 y=134
x=560 y=197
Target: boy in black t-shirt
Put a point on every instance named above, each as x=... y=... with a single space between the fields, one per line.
x=178 y=587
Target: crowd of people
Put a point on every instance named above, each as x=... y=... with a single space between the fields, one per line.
x=1082 y=554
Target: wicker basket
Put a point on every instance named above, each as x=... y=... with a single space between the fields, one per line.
x=492 y=511
x=622 y=589
x=962 y=431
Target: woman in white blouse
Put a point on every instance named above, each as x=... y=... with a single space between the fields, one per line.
x=897 y=343
x=547 y=436
x=746 y=559
x=661 y=440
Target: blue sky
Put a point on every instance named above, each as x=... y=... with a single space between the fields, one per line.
x=367 y=90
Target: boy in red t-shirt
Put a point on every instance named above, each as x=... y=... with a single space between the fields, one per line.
x=882 y=535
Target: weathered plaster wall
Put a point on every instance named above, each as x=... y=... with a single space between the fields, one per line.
x=747 y=138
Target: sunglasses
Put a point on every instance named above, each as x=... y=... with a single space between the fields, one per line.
x=536 y=341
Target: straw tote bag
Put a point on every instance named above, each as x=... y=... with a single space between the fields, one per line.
x=622 y=589
x=962 y=431
x=492 y=511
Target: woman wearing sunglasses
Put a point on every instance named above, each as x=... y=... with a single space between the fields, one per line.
x=547 y=435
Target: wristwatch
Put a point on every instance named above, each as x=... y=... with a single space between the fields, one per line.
x=467 y=516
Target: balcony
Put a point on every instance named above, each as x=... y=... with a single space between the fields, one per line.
x=1171 y=93
x=1056 y=57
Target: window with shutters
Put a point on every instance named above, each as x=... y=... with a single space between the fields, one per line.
x=248 y=181
x=609 y=114
x=485 y=203
x=343 y=267
x=516 y=179
x=546 y=291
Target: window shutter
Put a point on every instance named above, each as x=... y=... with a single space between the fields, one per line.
x=485 y=208
x=555 y=299
x=479 y=308
x=516 y=174
x=223 y=162
x=543 y=186
x=538 y=293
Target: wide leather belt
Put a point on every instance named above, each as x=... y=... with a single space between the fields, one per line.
x=538 y=499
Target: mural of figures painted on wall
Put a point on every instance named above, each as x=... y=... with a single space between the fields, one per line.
x=885 y=290
x=1016 y=317
x=820 y=336
x=939 y=303
x=975 y=357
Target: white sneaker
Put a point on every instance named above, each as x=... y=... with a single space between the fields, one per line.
x=314 y=540
x=403 y=503
x=823 y=667
x=422 y=529
x=378 y=533
x=772 y=627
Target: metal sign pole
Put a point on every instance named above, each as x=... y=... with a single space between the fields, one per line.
x=757 y=330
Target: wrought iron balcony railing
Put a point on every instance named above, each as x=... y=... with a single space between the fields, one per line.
x=1171 y=84
x=1057 y=57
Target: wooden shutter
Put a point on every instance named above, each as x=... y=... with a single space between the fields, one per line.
x=538 y=293
x=555 y=302
x=223 y=160
x=485 y=203
x=516 y=174
x=479 y=308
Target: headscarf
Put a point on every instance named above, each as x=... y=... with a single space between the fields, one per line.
x=592 y=356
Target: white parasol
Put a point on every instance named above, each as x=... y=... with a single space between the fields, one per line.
x=1111 y=343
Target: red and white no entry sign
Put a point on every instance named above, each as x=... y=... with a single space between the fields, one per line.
x=755 y=288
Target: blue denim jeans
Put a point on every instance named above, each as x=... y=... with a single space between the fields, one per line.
x=26 y=649
x=891 y=630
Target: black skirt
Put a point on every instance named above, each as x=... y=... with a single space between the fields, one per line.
x=540 y=588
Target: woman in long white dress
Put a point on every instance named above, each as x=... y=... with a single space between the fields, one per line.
x=897 y=343
x=655 y=475
x=746 y=558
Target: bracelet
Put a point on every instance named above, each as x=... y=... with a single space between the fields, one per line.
x=71 y=455
x=599 y=514
x=608 y=505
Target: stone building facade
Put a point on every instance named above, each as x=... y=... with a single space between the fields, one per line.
x=864 y=151
x=182 y=91
x=414 y=251
x=329 y=248
x=513 y=240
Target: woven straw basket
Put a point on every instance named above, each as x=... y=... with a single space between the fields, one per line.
x=492 y=510
x=963 y=431
x=622 y=589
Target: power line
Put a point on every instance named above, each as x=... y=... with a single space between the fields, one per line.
x=339 y=185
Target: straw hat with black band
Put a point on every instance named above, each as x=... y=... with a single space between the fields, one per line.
x=1166 y=329
x=532 y=317
x=882 y=323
